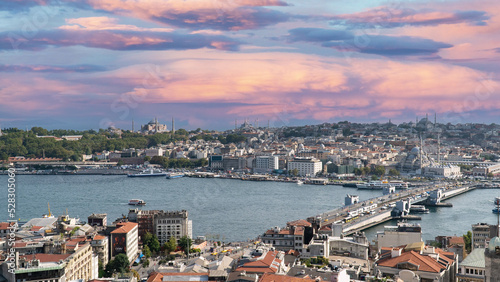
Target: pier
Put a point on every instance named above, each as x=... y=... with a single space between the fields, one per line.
x=362 y=215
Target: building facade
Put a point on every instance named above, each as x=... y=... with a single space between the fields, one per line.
x=125 y=239
x=172 y=224
x=305 y=166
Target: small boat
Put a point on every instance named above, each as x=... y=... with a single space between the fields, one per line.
x=175 y=175
x=148 y=173
x=136 y=202
x=496 y=210
x=418 y=209
x=299 y=182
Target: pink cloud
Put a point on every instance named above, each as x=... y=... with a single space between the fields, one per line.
x=104 y=23
x=199 y=14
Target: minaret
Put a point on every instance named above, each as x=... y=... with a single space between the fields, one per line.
x=435 y=119
x=132 y=125
x=421 y=152
x=235 y=123
x=156 y=125
x=257 y=124
x=1 y=131
x=439 y=150
x=173 y=126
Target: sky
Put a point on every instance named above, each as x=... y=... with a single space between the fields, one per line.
x=89 y=64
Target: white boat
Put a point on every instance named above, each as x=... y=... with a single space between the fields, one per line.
x=399 y=184
x=148 y=173
x=374 y=185
x=418 y=209
x=299 y=182
x=175 y=175
x=137 y=202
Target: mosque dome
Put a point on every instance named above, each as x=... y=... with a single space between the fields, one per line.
x=415 y=151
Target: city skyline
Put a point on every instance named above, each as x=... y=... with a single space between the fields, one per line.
x=91 y=64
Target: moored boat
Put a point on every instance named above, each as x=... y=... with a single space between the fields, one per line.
x=148 y=173
x=175 y=175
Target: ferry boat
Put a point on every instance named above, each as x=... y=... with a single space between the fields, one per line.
x=399 y=184
x=148 y=173
x=374 y=185
x=497 y=204
x=136 y=202
x=418 y=209
x=175 y=175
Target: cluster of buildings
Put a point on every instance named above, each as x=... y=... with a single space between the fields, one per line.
x=65 y=249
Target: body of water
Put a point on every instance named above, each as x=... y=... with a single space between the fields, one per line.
x=234 y=209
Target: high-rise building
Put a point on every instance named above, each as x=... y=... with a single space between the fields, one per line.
x=124 y=239
x=172 y=224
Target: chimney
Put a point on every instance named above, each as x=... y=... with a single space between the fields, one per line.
x=395 y=252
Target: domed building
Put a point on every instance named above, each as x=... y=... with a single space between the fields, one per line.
x=492 y=260
x=414 y=162
x=153 y=127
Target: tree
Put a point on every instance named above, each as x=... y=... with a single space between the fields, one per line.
x=393 y=172
x=146 y=252
x=294 y=172
x=118 y=265
x=185 y=243
x=152 y=242
x=170 y=245
x=147 y=158
x=468 y=241
x=379 y=170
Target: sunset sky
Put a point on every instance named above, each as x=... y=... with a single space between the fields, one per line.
x=86 y=64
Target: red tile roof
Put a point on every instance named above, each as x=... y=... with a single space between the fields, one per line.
x=457 y=240
x=300 y=222
x=47 y=257
x=425 y=262
x=270 y=277
x=124 y=227
x=5 y=225
x=158 y=276
x=99 y=237
x=268 y=264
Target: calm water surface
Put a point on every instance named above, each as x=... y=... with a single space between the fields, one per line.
x=235 y=209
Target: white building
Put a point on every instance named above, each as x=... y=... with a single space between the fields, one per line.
x=443 y=171
x=266 y=163
x=305 y=166
x=400 y=235
x=125 y=239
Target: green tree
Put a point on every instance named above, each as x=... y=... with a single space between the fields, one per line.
x=170 y=245
x=185 y=243
x=468 y=241
x=119 y=264
x=147 y=158
x=393 y=172
x=151 y=241
x=379 y=170
x=146 y=251
x=294 y=172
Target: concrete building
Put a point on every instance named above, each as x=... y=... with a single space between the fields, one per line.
x=400 y=235
x=481 y=234
x=100 y=219
x=443 y=171
x=172 y=224
x=305 y=166
x=266 y=163
x=125 y=239
x=100 y=247
x=472 y=268
x=294 y=236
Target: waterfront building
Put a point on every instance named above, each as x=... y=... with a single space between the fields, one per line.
x=402 y=234
x=481 y=234
x=305 y=166
x=422 y=263
x=443 y=171
x=124 y=239
x=266 y=163
x=172 y=224
x=484 y=169
x=472 y=268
